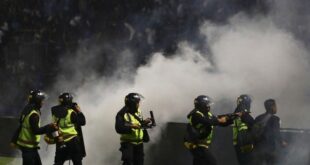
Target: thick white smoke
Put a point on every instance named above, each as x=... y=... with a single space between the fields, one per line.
x=247 y=55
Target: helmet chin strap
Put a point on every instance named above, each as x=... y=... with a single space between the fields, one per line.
x=132 y=108
x=36 y=105
x=204 y=109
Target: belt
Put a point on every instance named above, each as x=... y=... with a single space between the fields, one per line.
x=28 y=142
x=191 y=146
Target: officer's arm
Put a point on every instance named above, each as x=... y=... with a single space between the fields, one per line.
x=196 y=118
x=34 y=125
x=120 y=125
x=78 y=118
x=223 y=124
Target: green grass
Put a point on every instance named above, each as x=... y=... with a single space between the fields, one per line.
x=10 y=161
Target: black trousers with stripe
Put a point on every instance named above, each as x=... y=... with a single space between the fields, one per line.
x=30 y=156
x=132 y=154
x=203 y=156
x=71 y=151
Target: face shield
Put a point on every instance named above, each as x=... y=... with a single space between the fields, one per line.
x=132 y=101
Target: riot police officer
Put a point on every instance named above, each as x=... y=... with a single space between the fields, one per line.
x=200 y=131
x=242 y=125
x=129 y=124
x=27 y=137
x=68 y=116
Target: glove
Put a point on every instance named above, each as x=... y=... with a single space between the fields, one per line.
x=52 y=127
x=76 y=107
x=13 y=145
x=49 y=139
x=189 y=145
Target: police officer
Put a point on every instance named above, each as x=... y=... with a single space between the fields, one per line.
x=242 y=125
x=200 y=131
x=129 y=124
x=265 y=148
x=68 y=116
x=27 y=137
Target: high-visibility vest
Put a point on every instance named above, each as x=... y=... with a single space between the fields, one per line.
x=201 y=129
x=136 y=135
x=238 y=126
x=66 y=127
x=26 y=137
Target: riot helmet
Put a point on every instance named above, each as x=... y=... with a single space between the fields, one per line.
x=132 y=101
x=36 y=97
x=244 y=101
x=65 y=98
x=203 y=102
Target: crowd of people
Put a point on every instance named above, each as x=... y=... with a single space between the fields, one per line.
x=32 y=35
x=36 y=33
x=39 y=21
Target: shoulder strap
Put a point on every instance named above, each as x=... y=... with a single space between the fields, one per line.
x=128 y=116
x=237 y=125
x=136 y=117
x=58 y=121
x=23 y=116
x=200 y=113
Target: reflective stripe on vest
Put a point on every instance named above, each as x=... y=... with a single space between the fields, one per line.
x=66 y=127
x=237 y=127
x=26 y=137
x=201 y=129
x=136 y=135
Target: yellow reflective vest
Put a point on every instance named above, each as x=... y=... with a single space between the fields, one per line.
x=26 y=137
x=66 y=127
x=206 y=141
x=136 y=135
x=238 y=126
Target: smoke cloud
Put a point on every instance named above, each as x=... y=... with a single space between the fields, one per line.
x=249 y=54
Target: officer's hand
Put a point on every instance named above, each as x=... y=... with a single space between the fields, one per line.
x=77 y=108
x=239 y=114
x=13 y=145
x=147 y=121
x=222 y=119
x=135 y=126
x=53 y=127
x=49 y=140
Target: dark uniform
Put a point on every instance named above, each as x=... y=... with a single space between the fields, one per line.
x=200 y=132
x=128 y=124
x=68 y=117
x=265 y=148
x=241 y=131
x=27 y=137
